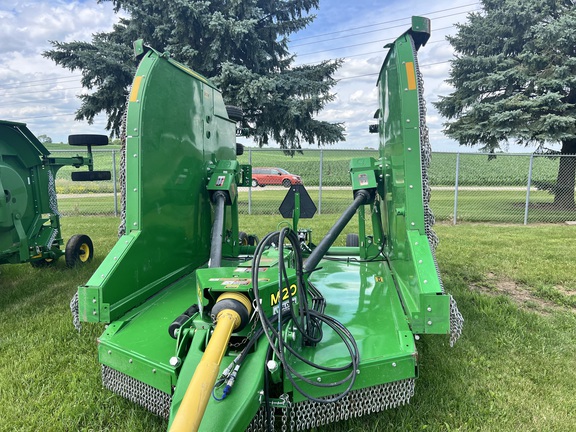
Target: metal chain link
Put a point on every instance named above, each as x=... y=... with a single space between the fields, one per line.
x=52 y=199
x=249 y=335
x=154 y=400
x=75 y=312
x=122 y=177
x=456 y=318
x=308 y=414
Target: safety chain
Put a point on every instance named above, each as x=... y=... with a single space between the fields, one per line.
x=154 y=400
x=308 y=414
x=249 y=335
x=122 y=177
x=52 y=199
x=75 y=312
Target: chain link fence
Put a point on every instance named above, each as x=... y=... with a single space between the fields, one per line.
x=89 y=198
x=466 y=187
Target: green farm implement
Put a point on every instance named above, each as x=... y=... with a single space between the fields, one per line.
x=216 y=334
x=29 y=218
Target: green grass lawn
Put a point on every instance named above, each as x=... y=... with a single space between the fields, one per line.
x=513 y=369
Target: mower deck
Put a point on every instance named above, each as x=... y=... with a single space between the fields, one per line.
x=361 y=295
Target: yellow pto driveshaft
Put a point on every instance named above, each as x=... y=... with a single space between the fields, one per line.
x=231 y=312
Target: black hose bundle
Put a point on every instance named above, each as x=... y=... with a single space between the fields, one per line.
x=307 y=320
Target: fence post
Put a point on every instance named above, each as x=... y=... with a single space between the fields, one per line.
x=456 y=187
x=114 y=182
x=528 y=189
x=250 y=187
x=320 y=182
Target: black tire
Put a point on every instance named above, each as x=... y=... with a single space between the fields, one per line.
x=91 y=176
x=352 y=240
x=79 y=250
x=253 y=240
x=87 y=139
x=243 y=238
x=234 y=113
x=239 y=149
x=43 y=262
x=286 y=183
x=254 y=183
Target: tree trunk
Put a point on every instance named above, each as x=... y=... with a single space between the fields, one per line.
x=564 y=196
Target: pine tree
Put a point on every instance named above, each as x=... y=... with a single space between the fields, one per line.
x=242 y=45
x=514 y=74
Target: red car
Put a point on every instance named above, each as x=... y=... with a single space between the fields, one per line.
x=263 y=176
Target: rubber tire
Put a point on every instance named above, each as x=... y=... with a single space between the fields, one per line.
x=87 y=139
x=239 y=149
x=44 y=262
x=91 y=176
x=234 y=113
x=254 y=183
x=243 y=238
x=76 y=249
x=352 y=240
x=253 y=240
x=286 y=183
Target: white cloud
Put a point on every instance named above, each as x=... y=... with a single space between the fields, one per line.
x=35 y=90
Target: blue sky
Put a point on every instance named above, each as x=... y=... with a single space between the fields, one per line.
x=36 y=91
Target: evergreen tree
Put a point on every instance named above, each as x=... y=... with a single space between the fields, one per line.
x=240 y=44
x=514 y=75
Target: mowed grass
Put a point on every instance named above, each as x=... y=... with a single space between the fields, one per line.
x=513 y=369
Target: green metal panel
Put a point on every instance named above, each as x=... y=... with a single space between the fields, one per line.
x=173 y=138
x=361 y=296
x=402 y=201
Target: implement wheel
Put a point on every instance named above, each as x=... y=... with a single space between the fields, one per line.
x=352 y=240
x=234 y=113
x=87 y=140
x=79 y=250
x=243 y=238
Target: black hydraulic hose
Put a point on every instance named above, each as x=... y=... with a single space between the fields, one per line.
x=318 y=253
x=219 y=199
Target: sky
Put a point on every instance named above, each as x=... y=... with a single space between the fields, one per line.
x=36 y=91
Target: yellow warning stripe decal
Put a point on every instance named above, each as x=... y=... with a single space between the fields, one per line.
x=411 y=75
x=135 y=88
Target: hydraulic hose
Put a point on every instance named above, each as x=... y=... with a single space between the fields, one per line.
x=232 y=311
x=362 y=196
x=219 y=199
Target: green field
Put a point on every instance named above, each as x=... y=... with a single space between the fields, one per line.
x=496 y=205
x=475 y=169
x=513 y=369
x=503 y=205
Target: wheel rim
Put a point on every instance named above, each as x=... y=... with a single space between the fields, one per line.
x=84 y=252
